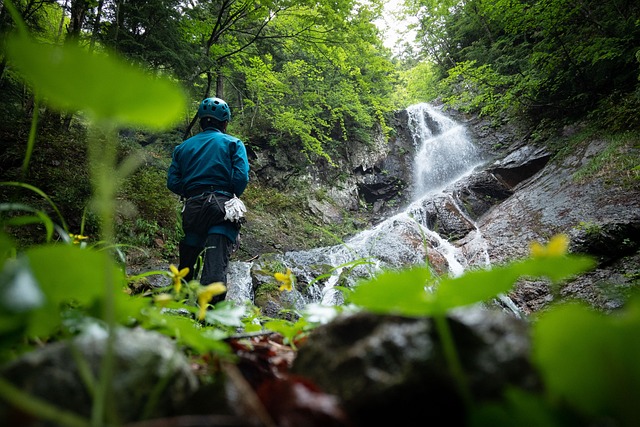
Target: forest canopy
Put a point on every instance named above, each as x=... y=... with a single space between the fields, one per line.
x=538 y=58
x=314 y=74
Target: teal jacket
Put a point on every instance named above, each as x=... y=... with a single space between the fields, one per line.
x=210 y=160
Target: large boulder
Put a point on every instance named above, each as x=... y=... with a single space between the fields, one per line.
x=150 y=377
x=385 y=368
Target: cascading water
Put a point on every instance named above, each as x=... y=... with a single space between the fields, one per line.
x=444 y=155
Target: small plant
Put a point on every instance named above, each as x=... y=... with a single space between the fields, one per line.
x=590 y=228
x=619 y=160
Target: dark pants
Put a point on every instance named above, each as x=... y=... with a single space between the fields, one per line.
x=214 y=263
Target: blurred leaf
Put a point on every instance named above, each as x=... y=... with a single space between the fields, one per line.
x=252 y=327
x=226 y=313
x=129 y=308
x=555 y=268
x=590 y=359
x=66 y=273
x=405 y=292
x=71 y=78
x=7 y=247
x=396 y=292
x=287 y=329
x=518 y=408
x=185 y=331
x=472 y=287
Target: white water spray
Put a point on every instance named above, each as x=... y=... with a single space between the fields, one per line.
x=444 y=153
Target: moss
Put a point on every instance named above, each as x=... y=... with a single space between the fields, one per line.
x=617 y=164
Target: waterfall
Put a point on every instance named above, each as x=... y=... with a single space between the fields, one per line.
x=444 y=155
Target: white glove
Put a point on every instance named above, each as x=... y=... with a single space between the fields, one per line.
x=234 y=209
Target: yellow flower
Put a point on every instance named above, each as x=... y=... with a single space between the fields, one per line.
x=286 y=279
x=77 y=238
x=557 y=246
x=162 y=299
x=206 y=294
x=177 y=276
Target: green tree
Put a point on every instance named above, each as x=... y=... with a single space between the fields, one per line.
x=150 y=32
x=545 y=57
x=330 y=84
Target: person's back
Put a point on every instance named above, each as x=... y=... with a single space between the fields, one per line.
x=208 y=170
x=209 y=159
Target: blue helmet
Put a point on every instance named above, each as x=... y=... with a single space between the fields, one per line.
x=216 y=108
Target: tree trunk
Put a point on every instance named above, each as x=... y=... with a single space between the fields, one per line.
x=207 y=91
x=78 y=13
x=96 y=25
x=219 y=85
x=61 y=25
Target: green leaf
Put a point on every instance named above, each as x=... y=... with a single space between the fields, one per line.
x=7 y=246
x=71 y=78
x=405 y=292
x=395 y=292
x=590 y=360
x=185 y=331
x=556 y=268
x=472 y=287
x=66 y=273
x=482 y=285
x=518 y=408
x=287 y=329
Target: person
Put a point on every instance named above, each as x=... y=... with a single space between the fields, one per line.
x=206 y=171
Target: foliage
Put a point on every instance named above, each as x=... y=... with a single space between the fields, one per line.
x=590 y=339
x=150 y=32
x=337 y=85
x=416 y=83
x=320 y=94
x=472 y=88
x=539 y=58
x=68 y=78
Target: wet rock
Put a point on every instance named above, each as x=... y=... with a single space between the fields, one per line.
x=520 y=164
x=380 y=187
x=601 y=220
x=606 y=241
x=442 y=215
x=479 y=192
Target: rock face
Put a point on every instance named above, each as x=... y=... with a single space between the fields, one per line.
x=601 y=220
x=378 y=173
